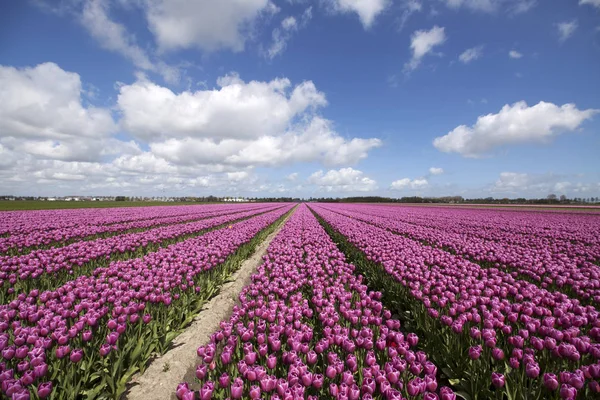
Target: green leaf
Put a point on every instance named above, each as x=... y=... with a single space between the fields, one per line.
x=463 y=395
x=94 y=392
x=136 y=352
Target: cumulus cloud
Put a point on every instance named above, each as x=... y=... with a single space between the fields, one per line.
x=540 y=185
x=422 y=42
x=471 y=54
x=282 y=34
x=436 y=171
x=514 y=54
x=292 y=177
x=204 y=24
x=307 y=142
x=235 y=109
x=343 y=180
x=406 y=183
x=514 y=124
x=367 y=10
x=212 y=138
x=41 y=113
x=566 y=29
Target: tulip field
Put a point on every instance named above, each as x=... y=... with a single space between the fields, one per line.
x=351 y=301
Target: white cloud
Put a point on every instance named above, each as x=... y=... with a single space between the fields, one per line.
x=281 y=35
x=477 y=5
x=367 y=10
x=307 y=142
x=595 y=3
x=422 y=43
x=212 y=139
x=343 y=180
x=239 y=124
x=490 y=6
x=292 y=177
x=114 y=37
x=205 y=24
x=566 y=29
x=514 y=54
x=522 y=6
x=436 y=171
x=471 y=54
x=409 y=8
x=41 y=114
x=514 y=124
x=516 y=184
x=406 y=183
x=235 y=110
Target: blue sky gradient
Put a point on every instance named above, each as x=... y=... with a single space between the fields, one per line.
x=374 y=117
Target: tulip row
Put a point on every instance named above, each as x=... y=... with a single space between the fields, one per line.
x=23 y=222
x=307 y=327
x=524 y=228
x=87 y=337
x=494 y=335
x=565 y=266
x=47 y=269
x=27 y=242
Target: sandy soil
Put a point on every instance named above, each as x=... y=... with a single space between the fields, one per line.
x=178 y=365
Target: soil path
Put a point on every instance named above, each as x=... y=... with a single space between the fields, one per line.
x=163 y=375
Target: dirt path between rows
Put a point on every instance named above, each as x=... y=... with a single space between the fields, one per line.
x=178 y=365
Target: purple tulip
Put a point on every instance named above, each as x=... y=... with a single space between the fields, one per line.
x=567 y=392
x=498 y=380
x=497 y=353
x=201 y=371
x=44 y=390
x=76 y=355
x=532 y=370
x=550 y=381
x=87 y=336
x=475 y=352
x=206 y=391
x=62 y=351
x=8 y=353
x=105 y=349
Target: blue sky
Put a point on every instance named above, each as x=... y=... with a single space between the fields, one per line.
x=300 y=98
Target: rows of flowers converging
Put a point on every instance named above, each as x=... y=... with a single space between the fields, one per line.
x=88 y=336
x=487 y=226
x=525 y=228
x=23 y=222
x=561 y=266
x=17 y=242
x=482 y=320
x=307 y=327
x=40 y=269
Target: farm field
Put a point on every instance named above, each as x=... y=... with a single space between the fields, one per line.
x=349 y=301
x=516 y=207
x=6 y=205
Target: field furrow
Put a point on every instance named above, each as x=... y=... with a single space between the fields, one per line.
x=493 y=335
x=47 y=269
x=307 y=327
x=86 y=338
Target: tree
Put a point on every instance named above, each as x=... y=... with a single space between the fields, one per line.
x=563 y=198
x=551 y=197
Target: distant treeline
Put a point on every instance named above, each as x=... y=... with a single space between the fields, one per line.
x=550 y=199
